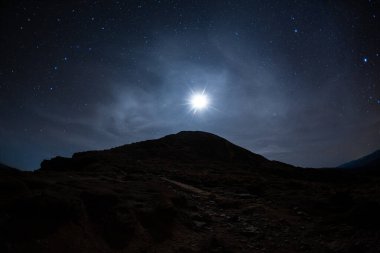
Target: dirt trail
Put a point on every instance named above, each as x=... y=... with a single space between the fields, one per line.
x=187 y=187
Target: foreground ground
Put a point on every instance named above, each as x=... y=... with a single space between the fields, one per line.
x=108 y=201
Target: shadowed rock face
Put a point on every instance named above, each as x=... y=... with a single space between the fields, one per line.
x=187 y=192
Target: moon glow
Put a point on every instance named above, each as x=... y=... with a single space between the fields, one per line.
x=199 y=101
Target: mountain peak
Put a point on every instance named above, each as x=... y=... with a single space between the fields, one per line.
x=190 y=146
x=192 y=134
x=185 y=147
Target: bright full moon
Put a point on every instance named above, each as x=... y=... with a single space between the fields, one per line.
x=199 y=101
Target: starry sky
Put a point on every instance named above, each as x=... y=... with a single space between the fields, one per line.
x=295 y=81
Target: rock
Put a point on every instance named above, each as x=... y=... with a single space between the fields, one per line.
x=251 y=229
x=199 y=224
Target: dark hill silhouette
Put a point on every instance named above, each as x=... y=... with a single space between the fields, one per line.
x=184 y=147
x=189 y=146
x=5 y=168
x=369 y=161
x=187 y=192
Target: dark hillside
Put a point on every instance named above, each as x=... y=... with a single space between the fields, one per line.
x=187 y=192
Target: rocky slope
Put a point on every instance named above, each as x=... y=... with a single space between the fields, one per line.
x=188 y=192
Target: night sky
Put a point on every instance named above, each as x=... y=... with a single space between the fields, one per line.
x=295 y=81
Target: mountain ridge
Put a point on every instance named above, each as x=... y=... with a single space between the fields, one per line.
x=4 y=167
x=371 y=160
x=184 y=147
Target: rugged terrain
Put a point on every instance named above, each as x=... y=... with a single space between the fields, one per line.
x=188 y=192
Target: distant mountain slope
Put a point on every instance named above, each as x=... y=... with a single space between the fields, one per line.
x=369 y=161
x=4 y=167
